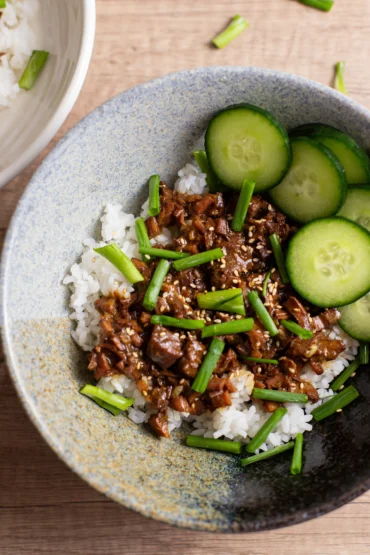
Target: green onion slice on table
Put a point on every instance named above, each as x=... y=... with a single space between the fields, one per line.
x=233 y=30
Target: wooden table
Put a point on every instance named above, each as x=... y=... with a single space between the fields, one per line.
x=44 y=508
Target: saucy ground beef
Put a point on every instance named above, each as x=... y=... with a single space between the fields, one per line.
x=165 y=361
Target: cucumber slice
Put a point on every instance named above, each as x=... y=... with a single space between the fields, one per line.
x=314 y=187
x=246 y=142
x=355 y=319
x=354 y=160
x=328 y=262
x=357 y=206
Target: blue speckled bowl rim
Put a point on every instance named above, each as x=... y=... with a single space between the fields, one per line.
x=271 y=522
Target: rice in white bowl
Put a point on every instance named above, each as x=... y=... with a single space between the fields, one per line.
x=95 y=276
x=17 y=41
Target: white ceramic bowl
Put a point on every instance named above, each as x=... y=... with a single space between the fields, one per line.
x=67 y=29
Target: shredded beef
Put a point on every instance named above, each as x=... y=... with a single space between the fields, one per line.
x=164 y=361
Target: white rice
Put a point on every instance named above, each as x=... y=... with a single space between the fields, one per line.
x=17 y=40
x=95 y=276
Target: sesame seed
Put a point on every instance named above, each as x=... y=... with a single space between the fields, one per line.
x=193 y=405
x=235 y=281
x=145 y=393
x=183 y=287
x=138 y=366
x=188 y=299
x=339 y=410
x=223 y=286
x=208 y=319
x=182 y=381
x=165 y=294
x=176 y=334
x=278 y=343
x=213 y=288
x=259 y=370
x=217 y=321
x=244 y=248
x=251 y=241
x=255 y=260
x=211 y=229
x=193 y=286
x=301 y=385
x=341 y=387
x=162 y=309
x=212 y=261
x=236 y=273
x=147 y=256
x=259 y=247
x=162 y=334
x=176 y=282
x=238 y=317
x=353 y=375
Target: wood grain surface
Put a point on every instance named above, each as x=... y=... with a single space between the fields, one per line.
x=44 y=508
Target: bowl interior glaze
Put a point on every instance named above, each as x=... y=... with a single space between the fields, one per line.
x=108 y=157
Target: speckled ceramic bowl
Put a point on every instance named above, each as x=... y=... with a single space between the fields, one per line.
x=108 y=157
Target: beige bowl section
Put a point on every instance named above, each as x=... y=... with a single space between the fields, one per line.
x=66 y=29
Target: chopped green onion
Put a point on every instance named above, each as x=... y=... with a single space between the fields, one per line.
x=296 y=466
x=237 y=25
x=261 y=360
x=183 y=323
x=154 y=203
x=118 y=258
x=279 y=257
x=265 y=283
x=296 y=329
x=234 y=306
x=216 y=444
x=214 y=299
x=106 y=406
x=339 y=78
x=141 y=233
x=324 y=5
x=279 y=396
x=163 y=253
x=112 y=399
x=262 y=313
x=33 y=68
x=267 y=454
x=364 y=353
x=202 y=161
x=2 y=4
x=208 y=365
x=266 y=430
x=225 y=300
x=151 y=294
x=198 y=259
x=345 y=375
x=242 y=205
x=228 y=328
x=335 y=403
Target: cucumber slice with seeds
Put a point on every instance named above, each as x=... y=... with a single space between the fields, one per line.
x=328 y=262
x=314 y=187
x=354 y=160
x=246 y=142
x=357 y=207
x=355 y=319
